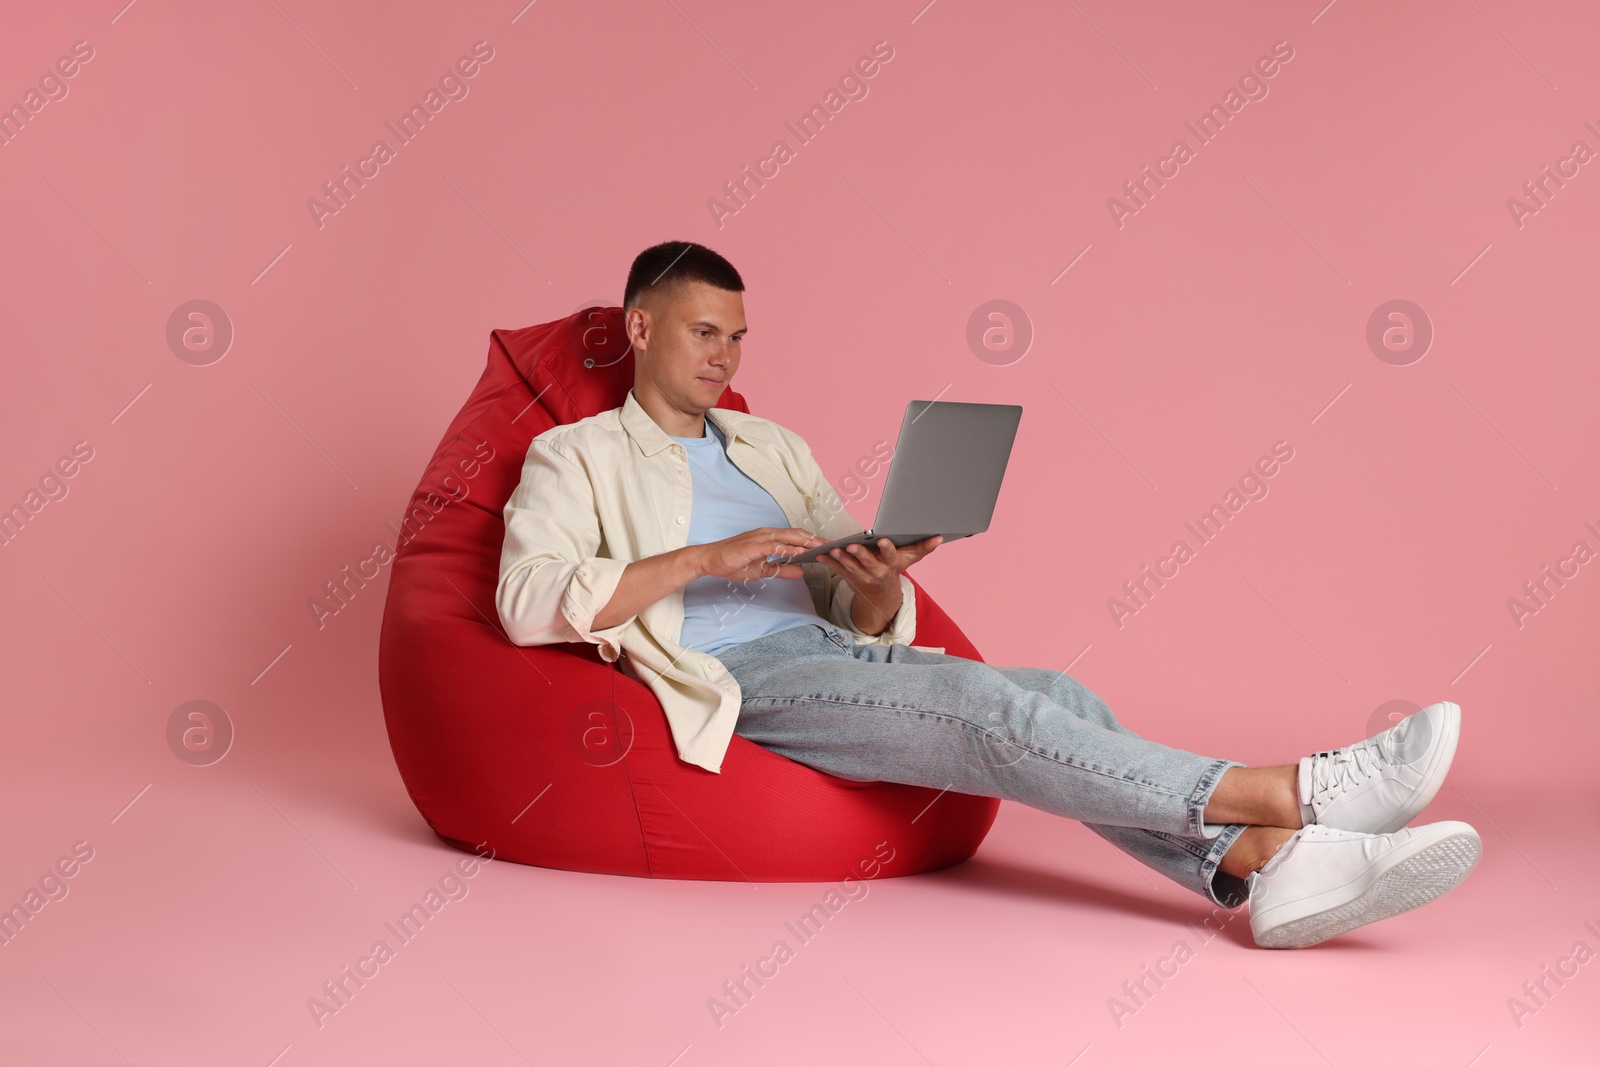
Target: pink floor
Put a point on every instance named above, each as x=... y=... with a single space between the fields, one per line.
x=212 y=913
x=1446 y=467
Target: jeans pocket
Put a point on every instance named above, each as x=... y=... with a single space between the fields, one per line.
x=833 y=635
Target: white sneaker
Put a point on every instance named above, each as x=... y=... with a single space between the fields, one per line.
x=1378 y=785
x=1323 y=881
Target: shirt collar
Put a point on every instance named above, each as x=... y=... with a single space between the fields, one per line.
x=652 y=438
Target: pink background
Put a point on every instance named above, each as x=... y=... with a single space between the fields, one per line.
x=1229 y=313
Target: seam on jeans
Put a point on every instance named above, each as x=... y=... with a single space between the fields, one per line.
x=782 y=701
x=1188 y=844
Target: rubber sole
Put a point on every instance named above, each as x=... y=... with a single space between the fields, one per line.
x=1410 y=883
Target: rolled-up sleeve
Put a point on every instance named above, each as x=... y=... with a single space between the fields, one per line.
x=552 y=583
x=902 y=628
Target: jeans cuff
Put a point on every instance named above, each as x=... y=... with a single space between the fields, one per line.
x=1198 y=827
x=1226 y=889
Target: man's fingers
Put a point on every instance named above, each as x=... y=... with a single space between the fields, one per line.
x=864 y=563
x=877 y=559
x=895 y=556
x=887 y=557
x=846 y=563
x=801 y=538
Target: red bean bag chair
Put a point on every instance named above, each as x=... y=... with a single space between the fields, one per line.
x=548 y=755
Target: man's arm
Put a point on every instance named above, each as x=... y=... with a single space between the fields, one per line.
x=555 y=587
x=872 y=573
x=552 y=581
x=645 y=581
x=740 y=558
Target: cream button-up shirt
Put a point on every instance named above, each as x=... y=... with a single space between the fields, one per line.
x=612 y=488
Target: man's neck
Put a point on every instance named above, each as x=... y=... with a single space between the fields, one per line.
x=673 y=422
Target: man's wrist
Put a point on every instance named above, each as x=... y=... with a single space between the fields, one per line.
x=691 y=561
x=867 y=610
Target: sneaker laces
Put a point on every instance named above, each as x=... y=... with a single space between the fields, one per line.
x=1343 y=767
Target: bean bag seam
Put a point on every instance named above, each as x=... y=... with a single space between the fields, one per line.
x=633 y=786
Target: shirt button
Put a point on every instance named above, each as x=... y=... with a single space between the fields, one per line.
x=680 y=520
x=713 y=668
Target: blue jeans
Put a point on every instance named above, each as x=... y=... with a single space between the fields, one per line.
x=893 y=713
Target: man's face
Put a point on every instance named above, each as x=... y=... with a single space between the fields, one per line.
x=686 y=343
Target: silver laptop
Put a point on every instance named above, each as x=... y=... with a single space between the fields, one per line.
x=944 y=478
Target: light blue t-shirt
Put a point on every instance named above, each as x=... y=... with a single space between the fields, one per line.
x=719 y=613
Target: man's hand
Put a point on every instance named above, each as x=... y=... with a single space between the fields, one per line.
x=742 y=558
x=876 y=577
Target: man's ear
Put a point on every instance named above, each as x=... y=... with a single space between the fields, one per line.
x=634 y=318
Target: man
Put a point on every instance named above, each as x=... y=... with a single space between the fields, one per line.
x=647 y=530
